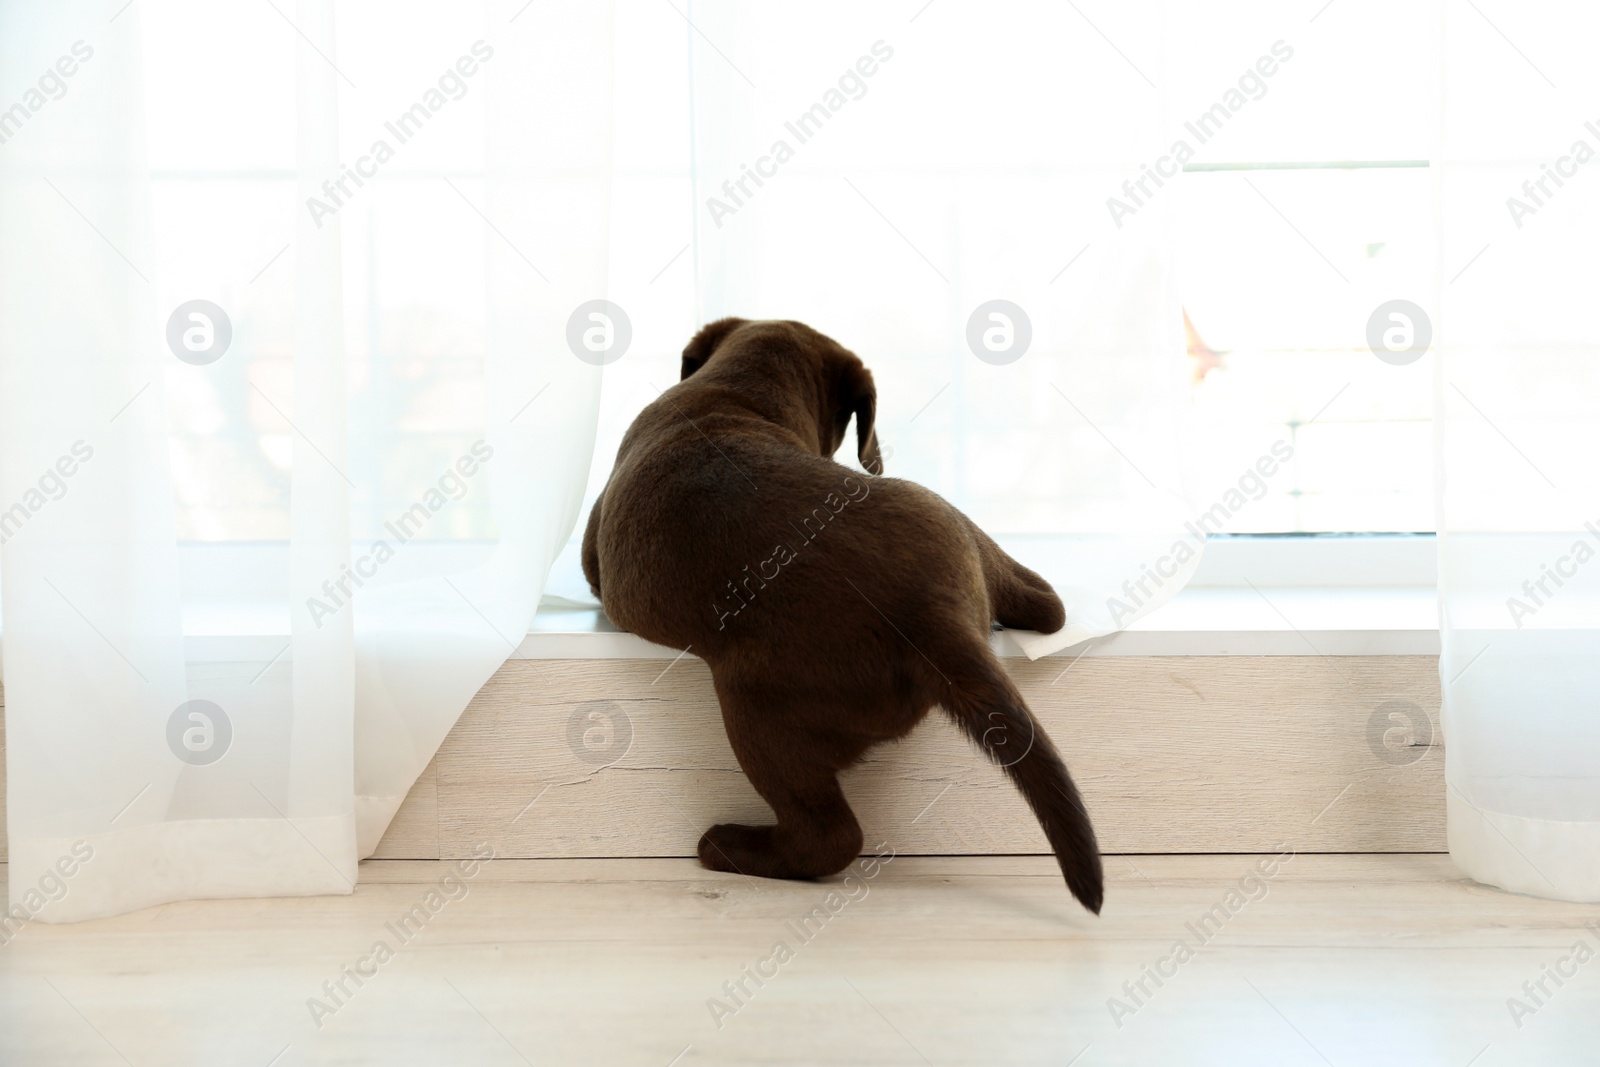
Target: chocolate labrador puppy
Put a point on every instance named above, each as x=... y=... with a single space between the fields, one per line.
x=834 y=609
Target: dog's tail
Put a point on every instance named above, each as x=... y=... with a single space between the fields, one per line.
x=994 y=715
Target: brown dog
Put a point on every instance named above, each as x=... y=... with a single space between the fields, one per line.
x=834 y=609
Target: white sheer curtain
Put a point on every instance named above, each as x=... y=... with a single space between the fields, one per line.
x=362 y=457
x=1517 y=417
x=931 y=188
x=400 y=362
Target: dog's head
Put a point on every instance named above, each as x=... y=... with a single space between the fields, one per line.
x=815 y=380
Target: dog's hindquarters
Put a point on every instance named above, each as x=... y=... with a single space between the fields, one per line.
x=983 y=700
x=1019 y=598
x=590 y=554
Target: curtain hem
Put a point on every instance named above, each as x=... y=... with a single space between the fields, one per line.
x=196 y=859
x=1539 y=857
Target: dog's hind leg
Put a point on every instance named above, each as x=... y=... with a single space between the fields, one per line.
x=798 y=774
x=1019 y=597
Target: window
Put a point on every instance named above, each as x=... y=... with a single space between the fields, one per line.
x=1309 y=208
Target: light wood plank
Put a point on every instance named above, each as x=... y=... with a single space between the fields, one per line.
x=1373 y=960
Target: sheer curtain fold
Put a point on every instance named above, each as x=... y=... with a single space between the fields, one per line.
x=1517 y=406
x=432 y=644
x=318 y=742
x=93 y=644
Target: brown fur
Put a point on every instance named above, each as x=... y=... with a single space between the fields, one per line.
x=834 y=609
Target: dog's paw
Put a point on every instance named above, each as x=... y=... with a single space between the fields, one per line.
x=734 y=848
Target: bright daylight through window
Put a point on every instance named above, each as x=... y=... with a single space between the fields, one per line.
x=1305 y=205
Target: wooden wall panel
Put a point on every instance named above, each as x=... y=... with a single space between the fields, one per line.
x=1194 y=754
x=1179 y=754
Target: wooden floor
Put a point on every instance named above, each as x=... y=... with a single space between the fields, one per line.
x=1365 y=960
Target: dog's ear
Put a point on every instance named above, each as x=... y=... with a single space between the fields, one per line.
x=699 y=349
x=858 y=397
